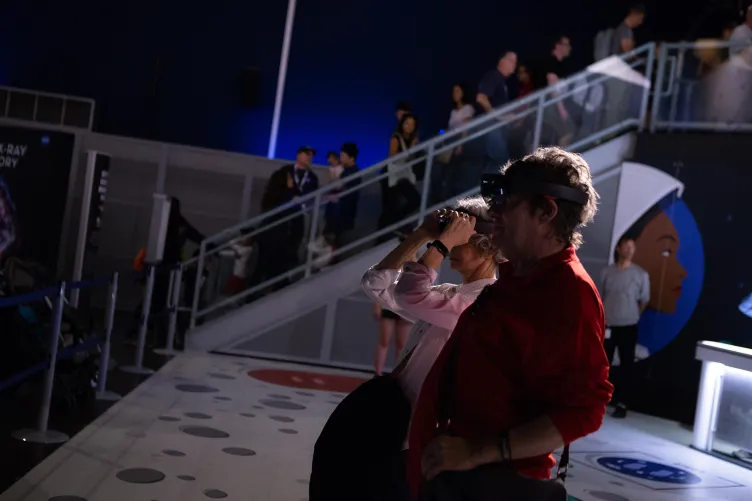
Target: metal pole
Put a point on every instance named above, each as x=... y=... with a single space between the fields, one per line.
x=658 y=90
x=83 y=224
x=427 y=181
x=197 y=285
x=104 y=359
x=538 y=122
x=172 y=307
x=312 y=233
x=138 y=367
x=646 y=90
x=677 y=87
x=42 y=435
x=284 y=57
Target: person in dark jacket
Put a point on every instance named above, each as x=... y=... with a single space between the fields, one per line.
x=276 y=252
x=304 y=181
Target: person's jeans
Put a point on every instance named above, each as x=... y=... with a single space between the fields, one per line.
x=623 y=338
x=497 y=150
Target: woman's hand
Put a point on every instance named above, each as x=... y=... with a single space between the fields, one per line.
x=459 y=230
x=430 y=226
x=290 y=181
x=377 y=311
x=447 y=454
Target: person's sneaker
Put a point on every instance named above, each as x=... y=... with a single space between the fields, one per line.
x=620 y=412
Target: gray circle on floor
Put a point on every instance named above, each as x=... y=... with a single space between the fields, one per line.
x=288 y=431
x=197 y=415
x=305 y=394
x=238 y=451
x=283 y=404
x=168 y=418
x=258 y=407
x=247 y=414
x=215 y=493
x=224 y=399
x=67 y=498
x=279 y=397
x=187 y=478
x=204 y=432
x=140 y=476
x=218 y=375
x=195 y=388
x=608 y=496
x=174 y=453
x=282 y=419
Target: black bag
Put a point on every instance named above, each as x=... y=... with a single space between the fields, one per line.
x=363 y=436
x=491 y=482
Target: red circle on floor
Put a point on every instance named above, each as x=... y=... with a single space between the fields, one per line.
x=308 y=380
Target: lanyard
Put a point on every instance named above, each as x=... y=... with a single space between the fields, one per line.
x=299 y=183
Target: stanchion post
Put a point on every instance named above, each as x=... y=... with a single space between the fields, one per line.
x=172 y=304
x=104 y=358
x=43 y=435
x=138 y=367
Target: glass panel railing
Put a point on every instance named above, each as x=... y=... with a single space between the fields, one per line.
x=607 y=99
x=46 y=108
x=703 y=85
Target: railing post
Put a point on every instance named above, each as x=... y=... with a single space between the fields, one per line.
x=426 y=182
x=646 y=90
x=538 y=122
x=312 y=233
x=104 y=358
x=138 y=366
x=43 y=435
x=173 y=302
x=677 y=86
x=197 y=285
x=658 y=90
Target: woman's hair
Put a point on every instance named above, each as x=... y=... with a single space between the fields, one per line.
x=465 y=93
x=401 y=124
x=276 y=191
x=478 y=207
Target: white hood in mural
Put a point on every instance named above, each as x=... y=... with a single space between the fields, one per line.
x=640 y=187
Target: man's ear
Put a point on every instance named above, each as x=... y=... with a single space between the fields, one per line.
x=548 y=212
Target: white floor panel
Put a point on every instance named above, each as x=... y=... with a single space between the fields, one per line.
x=202 y=428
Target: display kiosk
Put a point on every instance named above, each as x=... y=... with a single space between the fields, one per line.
x=723 y=418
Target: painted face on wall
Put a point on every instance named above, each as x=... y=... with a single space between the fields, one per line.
x=656 y=249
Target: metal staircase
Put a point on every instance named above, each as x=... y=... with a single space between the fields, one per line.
x=219 y=322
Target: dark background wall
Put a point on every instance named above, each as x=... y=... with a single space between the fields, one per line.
x=167 y=70
x=712 y=167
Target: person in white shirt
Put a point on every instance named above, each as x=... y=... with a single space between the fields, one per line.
x=408 y=289
x=240 y=251
x=741 y=37
x=449 y=172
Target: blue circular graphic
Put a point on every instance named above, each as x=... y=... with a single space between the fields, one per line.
x=657 y=330
x=647 y=470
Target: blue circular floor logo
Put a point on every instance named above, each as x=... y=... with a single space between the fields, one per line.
x=647 y=470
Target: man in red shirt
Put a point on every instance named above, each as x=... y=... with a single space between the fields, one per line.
x=524 y=371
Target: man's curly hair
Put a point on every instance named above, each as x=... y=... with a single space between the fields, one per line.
x=554 y=165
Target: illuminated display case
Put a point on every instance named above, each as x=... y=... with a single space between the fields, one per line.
x=723 y=419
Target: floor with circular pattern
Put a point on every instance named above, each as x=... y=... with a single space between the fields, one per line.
x=206 y=427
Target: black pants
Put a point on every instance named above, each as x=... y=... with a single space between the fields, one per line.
x=623 y=338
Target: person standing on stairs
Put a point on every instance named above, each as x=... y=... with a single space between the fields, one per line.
x=625 y=288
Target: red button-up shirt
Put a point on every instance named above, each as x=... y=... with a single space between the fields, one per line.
x=530 y=346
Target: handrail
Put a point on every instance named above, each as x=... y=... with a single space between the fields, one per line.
x=48 y=94
x=458 y=132
x=498 y=118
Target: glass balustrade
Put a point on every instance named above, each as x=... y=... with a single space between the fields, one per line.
x=607 y=99
x=703 y=85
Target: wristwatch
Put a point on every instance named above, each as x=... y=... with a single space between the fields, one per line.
x=439 y=246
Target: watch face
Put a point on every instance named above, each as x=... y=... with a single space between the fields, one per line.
x=648 y=470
